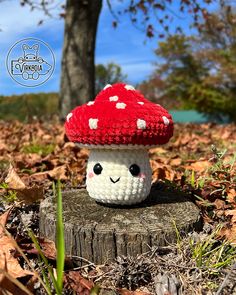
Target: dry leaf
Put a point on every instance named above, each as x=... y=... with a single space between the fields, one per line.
x=47 y=246
x=219 y=204
x=233 y=214
x=75 y=282
x=199 y=166
x=3 y=146
x=158 y=150
x=231 y=196
x=229 y=233
x=13 y=180
x=175 y=161
x=28 y=194
x=7 y=248
x=58 y=172
x=31 y=194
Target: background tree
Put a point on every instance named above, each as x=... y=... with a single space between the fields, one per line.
x=81 y=20
x=78 y=70
x=105 y=74
x=200 y=71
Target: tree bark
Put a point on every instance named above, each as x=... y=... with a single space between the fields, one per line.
x=78 y=69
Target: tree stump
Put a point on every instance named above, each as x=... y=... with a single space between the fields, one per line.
x=100 y=232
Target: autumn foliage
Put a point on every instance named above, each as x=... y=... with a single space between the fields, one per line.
x=198 y=161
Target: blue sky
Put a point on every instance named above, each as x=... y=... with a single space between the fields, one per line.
x=123 y=45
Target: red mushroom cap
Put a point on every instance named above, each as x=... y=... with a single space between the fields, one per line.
x=119 y=116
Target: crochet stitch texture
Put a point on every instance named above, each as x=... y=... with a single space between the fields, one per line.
x=118 y=127
x=120 y=115
x=115 y=184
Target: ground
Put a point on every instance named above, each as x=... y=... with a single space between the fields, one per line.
x=199 y=160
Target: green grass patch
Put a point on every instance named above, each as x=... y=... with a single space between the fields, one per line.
x=211 y=254
x=47 y=270
x=9 y=196
x=37 y=148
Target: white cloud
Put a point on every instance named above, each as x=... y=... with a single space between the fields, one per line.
x=137 y=68
x=17 y=21
x=123 y=45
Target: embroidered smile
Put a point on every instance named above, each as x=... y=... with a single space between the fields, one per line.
x=114 y=181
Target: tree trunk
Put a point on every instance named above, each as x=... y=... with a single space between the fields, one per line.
x=78 y=69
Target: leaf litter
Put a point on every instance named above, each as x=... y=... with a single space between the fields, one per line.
x=199 y=160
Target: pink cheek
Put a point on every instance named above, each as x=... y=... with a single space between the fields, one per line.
x=91 y=175
x=142 y=175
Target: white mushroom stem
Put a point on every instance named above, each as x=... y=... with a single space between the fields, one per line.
x=115 y=184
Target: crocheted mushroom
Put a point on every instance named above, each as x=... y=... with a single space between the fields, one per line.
x=119 y=127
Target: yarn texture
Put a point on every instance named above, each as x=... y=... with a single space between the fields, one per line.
x=118 y=127
x=120 y=115
x=115 y=184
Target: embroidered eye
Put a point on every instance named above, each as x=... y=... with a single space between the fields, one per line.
x=134 y=169
x=97 y=169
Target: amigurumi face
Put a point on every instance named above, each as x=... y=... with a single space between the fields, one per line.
x=118 y=176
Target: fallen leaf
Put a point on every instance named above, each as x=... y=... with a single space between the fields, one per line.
x=39 y=176
x=219 y=204
x=27 y=194
x=47 y=246
x=8 y=286
x=7 y=249
x=229 y=233
x=157 y=150
x=3 y=221
x=3 y=146
x=13 y=180
x=231 y=196
x=198 y=166
x=175 y=161
x=31 y=194
x=233 y=214
x=74 y=281
x=58 y=172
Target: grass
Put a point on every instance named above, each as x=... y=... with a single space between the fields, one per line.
x=214 y=172
x=212 y=254
x=60 y=241
x=208 y=252
x=205 y=253
x=10 y=196
x=37 y=148
x=57 y=281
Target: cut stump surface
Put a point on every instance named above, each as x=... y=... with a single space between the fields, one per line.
x=100 y=233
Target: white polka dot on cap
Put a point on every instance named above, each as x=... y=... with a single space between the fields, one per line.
x=107 y=86
x=120 y=105
x=129 y=87
x=166 y=120
x=141 y=124
x=113 y=98
x=68 y=117
x=93 y=123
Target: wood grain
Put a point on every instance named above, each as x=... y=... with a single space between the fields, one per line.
x=100 y=233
